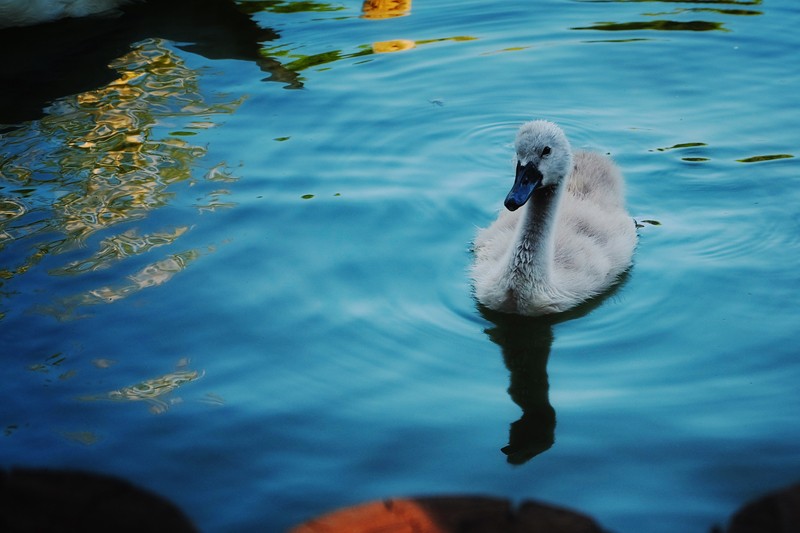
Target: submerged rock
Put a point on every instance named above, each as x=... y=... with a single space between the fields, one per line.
x=777 y=512
x=33 y=500
x=449 y=514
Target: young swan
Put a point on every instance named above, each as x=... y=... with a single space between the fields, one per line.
x=565 y=236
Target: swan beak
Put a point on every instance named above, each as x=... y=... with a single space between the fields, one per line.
x=528 y=180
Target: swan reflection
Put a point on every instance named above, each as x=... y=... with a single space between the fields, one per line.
x=525 y=343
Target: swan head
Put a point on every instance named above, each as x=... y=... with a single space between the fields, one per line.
x=544 y=159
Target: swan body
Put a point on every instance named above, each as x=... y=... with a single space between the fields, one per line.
x=30 y=12
x=565 y=235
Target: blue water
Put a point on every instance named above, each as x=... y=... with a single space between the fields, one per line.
x=242 y=282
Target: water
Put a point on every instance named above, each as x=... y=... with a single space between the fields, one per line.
x=240 y=278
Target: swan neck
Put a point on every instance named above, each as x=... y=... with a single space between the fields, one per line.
x=535 y=248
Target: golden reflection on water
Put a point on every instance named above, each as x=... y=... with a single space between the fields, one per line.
x=154 y=391
x=117 y=247
x=103 y=157
x=397 y=45
x=383 y=9
x=151 y=390
x=152 y=275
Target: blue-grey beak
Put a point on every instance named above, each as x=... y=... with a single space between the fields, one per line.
x=528 y=180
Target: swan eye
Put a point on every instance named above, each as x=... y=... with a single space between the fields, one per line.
x=545 y=151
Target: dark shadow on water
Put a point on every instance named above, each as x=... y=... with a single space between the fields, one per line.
x=670 y=25
x=71 y=56
x=65 y=500
x=51 y=500
x=657 y=25
x=525 y=343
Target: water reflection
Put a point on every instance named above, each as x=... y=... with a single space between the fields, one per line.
x=383 y=9
x=525 y=343
x=761 y=158
x=675 y=25
x=695 y=147
x=117 y=247
x=297 y=62
x=657 y=25
x=72 y=56
x=102 y=158
x=713 y=2
x=154 y=391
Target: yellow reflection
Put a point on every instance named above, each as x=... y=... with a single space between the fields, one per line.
x=126 y=244
x=393 y=46
x=152 y=275
x=383 y=9
x=109 y=156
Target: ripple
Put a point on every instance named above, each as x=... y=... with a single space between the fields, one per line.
x=118 y=247
x=11 y=209
x=720 y=240
x=492 y=139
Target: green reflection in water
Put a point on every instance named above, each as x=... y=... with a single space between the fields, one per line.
x=50 y=363
x=742 y=12
x=657 y=25
x=713 y=2
x=308 y=61
x=675 y=25
x=297 y=62
x=607 y=41
x=754 y=159
x=99 y=159
x=684 y=146
x=278 y=6
x=760 y=158
x=679 y=146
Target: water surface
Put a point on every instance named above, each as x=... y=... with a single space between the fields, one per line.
x=241 y=279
